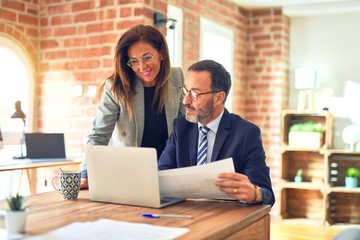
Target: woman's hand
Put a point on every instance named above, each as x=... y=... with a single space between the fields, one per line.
x=84 y=183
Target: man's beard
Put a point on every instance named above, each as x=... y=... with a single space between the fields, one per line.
x=196 y=117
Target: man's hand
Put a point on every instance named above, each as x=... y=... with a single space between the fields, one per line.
x=84 y=183
x=237 y=186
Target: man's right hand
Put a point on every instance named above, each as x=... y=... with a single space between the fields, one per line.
x=84 y=183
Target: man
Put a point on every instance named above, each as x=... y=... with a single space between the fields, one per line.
x=205 y=90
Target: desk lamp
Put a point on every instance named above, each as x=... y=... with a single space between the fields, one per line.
x=305 y=83
x=20 y=114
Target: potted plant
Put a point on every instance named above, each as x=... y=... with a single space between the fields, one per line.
x=351 y=179
x=16 y=215
x=306 y=135
x=298 y=177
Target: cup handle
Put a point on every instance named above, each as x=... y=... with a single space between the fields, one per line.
x=52 y=182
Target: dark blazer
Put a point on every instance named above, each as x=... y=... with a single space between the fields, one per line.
x=236 y=138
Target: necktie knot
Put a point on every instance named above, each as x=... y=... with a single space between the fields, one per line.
x=204 y=130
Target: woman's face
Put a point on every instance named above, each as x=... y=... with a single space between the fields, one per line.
x=145 y=61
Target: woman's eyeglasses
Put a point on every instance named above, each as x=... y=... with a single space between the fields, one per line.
x=193 y=95
x=147 y=58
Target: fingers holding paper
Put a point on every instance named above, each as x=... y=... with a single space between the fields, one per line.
x=237 y=186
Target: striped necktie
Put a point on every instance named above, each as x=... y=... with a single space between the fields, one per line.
x=203 y=145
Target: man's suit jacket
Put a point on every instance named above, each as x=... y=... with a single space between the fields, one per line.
x=236 y=138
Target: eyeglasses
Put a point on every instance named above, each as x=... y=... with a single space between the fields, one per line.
x=147 y=58
x=193 y=95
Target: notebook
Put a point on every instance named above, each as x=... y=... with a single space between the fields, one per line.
x=45 y=147
x=125 y=175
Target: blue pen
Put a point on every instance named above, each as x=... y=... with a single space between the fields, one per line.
x=151 y=215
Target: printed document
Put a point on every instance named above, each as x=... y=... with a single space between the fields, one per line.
x=196 y=181
x=111 y=230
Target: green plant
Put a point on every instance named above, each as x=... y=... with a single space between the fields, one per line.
x=306 y=127
x=16 y=202
x=353 y=172
x=299 y=172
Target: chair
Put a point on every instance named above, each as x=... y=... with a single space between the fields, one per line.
x=348 y=234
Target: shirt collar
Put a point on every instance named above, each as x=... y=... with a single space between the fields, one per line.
x=214 y=124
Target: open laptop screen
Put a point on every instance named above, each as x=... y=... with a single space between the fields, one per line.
x=45 y=145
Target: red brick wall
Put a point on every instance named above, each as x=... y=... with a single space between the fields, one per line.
x=266 y=93
x=72 y=42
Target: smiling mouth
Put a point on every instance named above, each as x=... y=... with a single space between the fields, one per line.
x=146 y=73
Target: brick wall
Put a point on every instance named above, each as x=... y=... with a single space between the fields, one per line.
x=72 y=42
x=266 y=88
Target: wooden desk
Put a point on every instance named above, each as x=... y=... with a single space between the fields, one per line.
x=25 y=165
x=211 y=219
x=32 y=174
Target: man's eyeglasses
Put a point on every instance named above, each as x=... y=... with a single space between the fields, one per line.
x=193 y=95
x=147 y=58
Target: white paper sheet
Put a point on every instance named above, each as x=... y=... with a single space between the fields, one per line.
x=111 y=230
x=196 y=181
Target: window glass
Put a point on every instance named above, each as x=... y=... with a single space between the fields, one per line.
x=174 y=36
x=217 y=43
x=15 y=85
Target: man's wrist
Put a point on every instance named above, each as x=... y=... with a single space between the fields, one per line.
x=258 y=194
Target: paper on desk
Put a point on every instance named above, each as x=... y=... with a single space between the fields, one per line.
x=196 y=181
x=110 y=229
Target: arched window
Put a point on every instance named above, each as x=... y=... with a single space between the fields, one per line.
x=16 y=84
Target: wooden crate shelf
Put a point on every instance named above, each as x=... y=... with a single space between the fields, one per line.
x=338 y=165
x=322 y=195
x=290 y=117
x=302 y=203
x=312 y=164
x=344 y=208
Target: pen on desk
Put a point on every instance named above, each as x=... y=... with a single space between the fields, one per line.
x=151 y=215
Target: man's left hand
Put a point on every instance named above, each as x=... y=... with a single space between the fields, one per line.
x=237 y=186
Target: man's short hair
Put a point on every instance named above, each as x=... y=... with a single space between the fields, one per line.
x=220 y=78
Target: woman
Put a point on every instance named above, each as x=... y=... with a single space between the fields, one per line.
x=141 y=99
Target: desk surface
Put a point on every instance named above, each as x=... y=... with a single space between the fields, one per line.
x=26 y=164
x=211 y=219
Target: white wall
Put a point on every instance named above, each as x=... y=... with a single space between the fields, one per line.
x=329 y=44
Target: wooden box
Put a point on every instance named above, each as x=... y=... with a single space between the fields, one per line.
x=292 y=117
x=338 y=165
x=312 y=164
x=302 y=203
x=344 y=208
x=306 y=139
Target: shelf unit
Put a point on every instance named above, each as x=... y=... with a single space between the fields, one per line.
x=321 y=196
x=343 y=203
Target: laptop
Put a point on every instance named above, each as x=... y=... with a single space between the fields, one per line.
x=125 y=175
x=41 y=147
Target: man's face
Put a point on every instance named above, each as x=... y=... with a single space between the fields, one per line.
x=201 y=108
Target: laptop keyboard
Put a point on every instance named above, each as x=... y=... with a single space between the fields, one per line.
x=162 y=201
